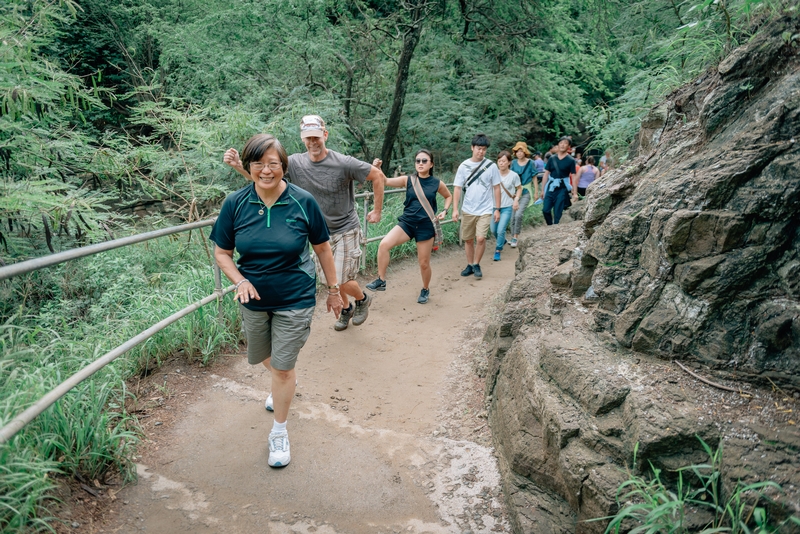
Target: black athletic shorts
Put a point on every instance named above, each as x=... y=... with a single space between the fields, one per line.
x=540 y=177
x=417 y=229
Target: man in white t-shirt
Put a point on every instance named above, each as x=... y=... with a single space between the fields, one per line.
x=479 y=180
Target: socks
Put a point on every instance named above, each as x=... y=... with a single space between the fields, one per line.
x=364 y=299
x=279 y=427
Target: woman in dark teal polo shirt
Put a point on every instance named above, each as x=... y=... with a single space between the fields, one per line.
x=270 y=224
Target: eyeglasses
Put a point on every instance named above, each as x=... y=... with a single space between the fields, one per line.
x=258 y=166
x=422 y=160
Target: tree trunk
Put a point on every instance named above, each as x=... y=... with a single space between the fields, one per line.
x=410 y=41
x=348 y=98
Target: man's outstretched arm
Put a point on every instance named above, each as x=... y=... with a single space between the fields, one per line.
x=378 y=180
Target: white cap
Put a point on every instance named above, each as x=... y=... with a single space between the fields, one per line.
x=312 y=126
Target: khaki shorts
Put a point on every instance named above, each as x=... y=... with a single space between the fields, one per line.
x=474 y=225
x=346 y=248
x=276 y=334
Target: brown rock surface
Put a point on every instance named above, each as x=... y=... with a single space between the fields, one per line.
x=690 y=252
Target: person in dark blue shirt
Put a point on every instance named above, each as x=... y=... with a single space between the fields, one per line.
x=414 y=223
x=557 y=181
x=270 y=223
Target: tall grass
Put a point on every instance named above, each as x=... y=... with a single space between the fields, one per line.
x=60 y=319
x=649 y=505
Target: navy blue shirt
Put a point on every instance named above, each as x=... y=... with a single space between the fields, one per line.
x=273 y=245
x=560 y=168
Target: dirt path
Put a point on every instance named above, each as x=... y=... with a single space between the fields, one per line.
x=387 y=429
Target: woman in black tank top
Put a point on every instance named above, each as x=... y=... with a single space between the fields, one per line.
x=414 y=223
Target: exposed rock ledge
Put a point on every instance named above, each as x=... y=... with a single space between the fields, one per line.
x=691 y=252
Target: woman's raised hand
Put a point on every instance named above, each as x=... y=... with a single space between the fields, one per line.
x=231 y=158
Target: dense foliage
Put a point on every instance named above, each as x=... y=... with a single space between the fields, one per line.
x=105 y=105
x=111 y=107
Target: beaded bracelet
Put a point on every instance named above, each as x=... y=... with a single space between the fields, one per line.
x=240 y=282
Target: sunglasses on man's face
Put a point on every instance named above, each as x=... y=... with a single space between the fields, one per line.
x=422 y=160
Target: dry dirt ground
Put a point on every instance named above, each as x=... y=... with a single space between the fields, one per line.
x=388 y=429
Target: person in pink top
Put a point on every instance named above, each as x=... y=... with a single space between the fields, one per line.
x=586 y=175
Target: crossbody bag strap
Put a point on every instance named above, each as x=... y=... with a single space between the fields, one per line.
x=476 y=173
x=423 y=201
x=506 y=190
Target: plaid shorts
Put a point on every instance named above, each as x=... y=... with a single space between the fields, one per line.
x=346 y=248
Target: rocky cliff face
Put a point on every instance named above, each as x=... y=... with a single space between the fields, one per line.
x=690 y=252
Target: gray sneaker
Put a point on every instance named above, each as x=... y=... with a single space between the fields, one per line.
x=343 y=320
x=362 y=311
x=423 y=296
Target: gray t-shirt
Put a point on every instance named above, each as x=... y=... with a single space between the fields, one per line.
x=330 y=182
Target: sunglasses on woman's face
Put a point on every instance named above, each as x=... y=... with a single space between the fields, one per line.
x=422 y=160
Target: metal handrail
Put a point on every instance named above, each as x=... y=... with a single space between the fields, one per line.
x=28 y=266
x=16 y=424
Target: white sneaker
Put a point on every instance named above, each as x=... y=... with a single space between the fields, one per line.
x=279 y=449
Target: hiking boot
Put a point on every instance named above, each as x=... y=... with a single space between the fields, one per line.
x=496 y=255
x=423 y=296
x=344 y=319
x=513 y=242
x=279 y=449
x=467 y=271
x=477 y=271
x=377 y=285
x=362 y=310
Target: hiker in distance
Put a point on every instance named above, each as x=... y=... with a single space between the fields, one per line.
x=329 y=176
x=509 y=200
x=557 y=181
x=270 y=224
x=479 y=180
x=526 y=169
x=419 y=220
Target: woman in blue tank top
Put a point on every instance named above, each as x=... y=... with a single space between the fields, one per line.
x=414 y=223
